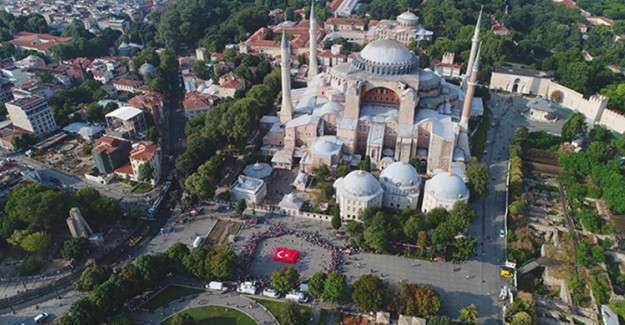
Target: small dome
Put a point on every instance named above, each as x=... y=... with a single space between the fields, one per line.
x=33 y=58
x=401 y=174
x=146 y=68
x=333 y=108
x=361 y=183
x=327 y=145
x=447 y=186
x=408 y=17
x=386 y=51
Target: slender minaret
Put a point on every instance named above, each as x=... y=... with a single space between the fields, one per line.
x=286 y=111
x=475 y=43
x=312 y=66
x=468 y=98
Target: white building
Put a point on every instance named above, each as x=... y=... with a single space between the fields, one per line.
x=357 y=191
x=405 y=29
x=32 y=114
x=444 y=190
x=146 y=154
x=248 y=188
x=125 y=122
x=402 y=184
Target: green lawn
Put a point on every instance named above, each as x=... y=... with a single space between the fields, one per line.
x=323 y=317
x=142 y=188
x=618 y=307
x=216 y=315
x=275 y=308
x=168 y=295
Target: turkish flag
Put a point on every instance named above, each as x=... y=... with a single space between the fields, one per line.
x=286 y=255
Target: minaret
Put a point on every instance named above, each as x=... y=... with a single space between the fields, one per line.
x=286 y=111
x=312 y=66
x=475 y=43
x=468 y=98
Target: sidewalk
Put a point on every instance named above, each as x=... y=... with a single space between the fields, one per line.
x=231 y=300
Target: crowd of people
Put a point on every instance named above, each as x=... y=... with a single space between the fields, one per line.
x=249 y=250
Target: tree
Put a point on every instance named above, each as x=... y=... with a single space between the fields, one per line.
x=92 y=277
x=183 y=319
x=152 y=134
x=321 y=172
x=177 y=252
x=289 y=313
x=38 y=205
x=419 y=300
x=368 y=293
x=335 y=288
x=146 y=172
x=436 y=216
x=466 y=247
x=198 y=262
x=342 y=171
x=479 y=178
x=201 y=70
x=285 y=279
x=36 y=242
x=521 y=318
x=461 y=215
x=440 y=320
x=316 y=285
x=106 y=297
x=412 y=227
x=223 y=262
x=469 y=314
x=83 y=311
x=365 y=164
x=574 y=125
x=336 y=222
x=75 y=248
x=240 y=207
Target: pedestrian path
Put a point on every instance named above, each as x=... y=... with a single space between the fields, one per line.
x=231 y=300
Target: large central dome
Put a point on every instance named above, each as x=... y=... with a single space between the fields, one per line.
x=386 y=57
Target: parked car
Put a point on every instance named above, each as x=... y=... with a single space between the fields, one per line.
x=296 y=296
x=247 y=288
x=271 y=293
x=216 y=286
x=41 y=318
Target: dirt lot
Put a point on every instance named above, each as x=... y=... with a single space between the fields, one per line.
x=221 y=231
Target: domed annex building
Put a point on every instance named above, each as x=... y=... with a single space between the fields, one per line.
x=402 y=184
x=357 y=191
x=444 y=190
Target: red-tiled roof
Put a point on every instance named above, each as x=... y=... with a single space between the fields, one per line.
x=144 y=152
x=128 y=83
x=197 y=101
x=345 y=21
x=42 y=42
x=108 y=144
x=125 y=169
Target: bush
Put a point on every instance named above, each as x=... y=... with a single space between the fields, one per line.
x=30 y=266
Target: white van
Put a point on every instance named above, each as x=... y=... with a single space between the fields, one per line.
x=217 y=286
x=198 y=241
x=296 y=296
x=39 y=319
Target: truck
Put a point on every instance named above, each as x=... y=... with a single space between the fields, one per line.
x=296 y=296
x=216 y=286
x=247 y=287
x=198 y=241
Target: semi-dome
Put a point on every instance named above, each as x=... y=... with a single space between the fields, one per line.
x=447 y=186
x=386 y=57
x=361 y=183
x=146 y=68
x=401 y=174
x=333 y=108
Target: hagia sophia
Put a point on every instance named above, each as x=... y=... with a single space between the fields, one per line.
x=381 y=105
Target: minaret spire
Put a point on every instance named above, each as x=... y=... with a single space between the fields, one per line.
x=475 y=43
x=313 y=69
x=286 y=111
x=468 y=98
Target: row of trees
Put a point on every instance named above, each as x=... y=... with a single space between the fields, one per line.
x=9 y=25
x=431 y=232
x=229 y=123
x=84 y=43
x=110 y=290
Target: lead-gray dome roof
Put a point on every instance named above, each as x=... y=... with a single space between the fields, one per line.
x=386 y=57
x=361 y=183
x=146 y=68
x=447 y=186
x=408 y=16
x=401 y=174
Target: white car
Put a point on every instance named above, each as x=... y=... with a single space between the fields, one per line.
x=502 y=233
x=271 y=293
